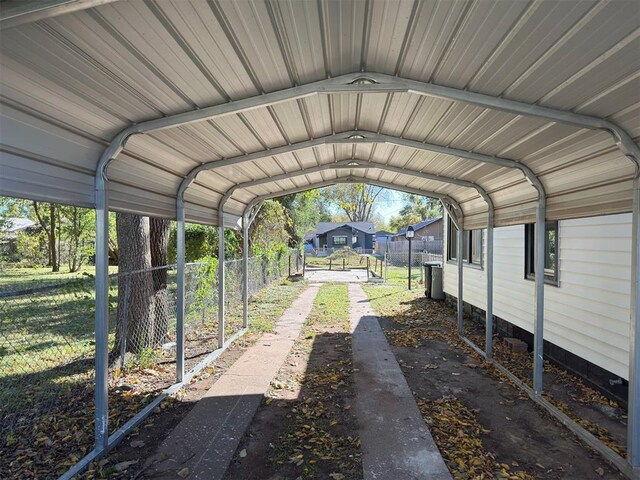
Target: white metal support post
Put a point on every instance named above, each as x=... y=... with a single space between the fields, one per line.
x=633 y=426
x=180 y=289
x=102 y=313
x=460 y=234
x=102 y=292
x=488 y=350
x=538 y=321
x=245 y=270
x=221 y=279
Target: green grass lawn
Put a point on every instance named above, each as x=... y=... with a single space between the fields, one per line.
x=400 y=275
x=331 y=305
x=386 y=298
x=268 y=305
x=318 y=428
x=15 y=278
x=46 y=339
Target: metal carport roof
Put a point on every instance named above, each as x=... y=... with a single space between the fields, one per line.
x=71 y=82
x=531 y=109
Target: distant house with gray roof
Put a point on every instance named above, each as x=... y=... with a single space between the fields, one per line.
x=13 y=225
x=428 y=229
x=345 y=234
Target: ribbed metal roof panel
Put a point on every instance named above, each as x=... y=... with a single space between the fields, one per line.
x=70 y=83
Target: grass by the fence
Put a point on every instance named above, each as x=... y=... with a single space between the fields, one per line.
x=16 y=278
x=46 y=343
x=399 y=276
x=268 y=305
x=47 y=337
x=392 y=297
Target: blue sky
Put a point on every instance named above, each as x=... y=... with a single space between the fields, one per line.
x=389 y=204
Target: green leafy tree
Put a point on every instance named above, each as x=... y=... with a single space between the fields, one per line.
x=266 y=234
x=69 y=232
x=356 y=200
x=201 y=242
x=416 y=209
x=303 y=211
x=77 y=226
x=48 y=216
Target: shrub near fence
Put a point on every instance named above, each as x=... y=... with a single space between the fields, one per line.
x=47 y=348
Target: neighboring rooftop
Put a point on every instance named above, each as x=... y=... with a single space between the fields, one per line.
x=324 y=227
x=15 y=224
x=419 y=225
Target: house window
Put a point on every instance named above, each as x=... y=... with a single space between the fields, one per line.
x=452 y=244
x=476 y=246
x=550 y=252
x=341 y=240
x=471 y=245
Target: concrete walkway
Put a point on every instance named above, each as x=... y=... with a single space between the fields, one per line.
x=396 y=443
x=203 y=444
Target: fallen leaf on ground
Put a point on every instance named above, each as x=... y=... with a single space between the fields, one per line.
x=122 y=466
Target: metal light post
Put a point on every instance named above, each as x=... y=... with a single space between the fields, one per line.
x=410 y=233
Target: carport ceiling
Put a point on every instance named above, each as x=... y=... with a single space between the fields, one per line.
x=73 y=78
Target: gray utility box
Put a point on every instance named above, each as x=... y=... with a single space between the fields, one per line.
x=433 y=280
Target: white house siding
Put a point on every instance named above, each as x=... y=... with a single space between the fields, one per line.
x=588 y=314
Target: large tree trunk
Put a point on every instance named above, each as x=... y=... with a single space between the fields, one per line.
x=159 y=241
x=136 y=307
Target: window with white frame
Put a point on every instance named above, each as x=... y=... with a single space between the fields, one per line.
x=340 y=240
x=471 y=245
x=550 y=253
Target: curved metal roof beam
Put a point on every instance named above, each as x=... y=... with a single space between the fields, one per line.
x=354 y=164
x=370 y=82
x=362 y=136
x=351 y=179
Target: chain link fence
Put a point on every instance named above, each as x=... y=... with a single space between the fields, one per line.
x=397 y=265
x=47 y=351
x=46 y=369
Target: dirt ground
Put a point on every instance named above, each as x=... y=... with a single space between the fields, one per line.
x=480 y=421
x=484 y=426
x=126 y=460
